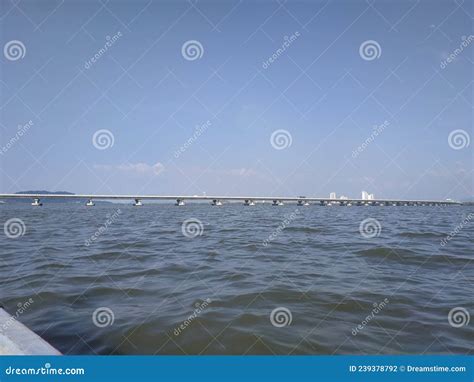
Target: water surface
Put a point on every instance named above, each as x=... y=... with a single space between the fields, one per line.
x=214 y=293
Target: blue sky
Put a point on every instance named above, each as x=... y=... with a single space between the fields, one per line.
x=322 y=89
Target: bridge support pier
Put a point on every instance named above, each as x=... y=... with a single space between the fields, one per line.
x=36 y=202
x=302 y=203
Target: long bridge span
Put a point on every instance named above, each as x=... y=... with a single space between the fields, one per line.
x=180 y=200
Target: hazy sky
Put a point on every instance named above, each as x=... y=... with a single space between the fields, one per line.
x=238 y=97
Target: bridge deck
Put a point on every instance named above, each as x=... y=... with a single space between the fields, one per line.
x=217 y=197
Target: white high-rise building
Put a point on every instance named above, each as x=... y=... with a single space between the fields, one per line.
x=365 y=195
x=332 y=195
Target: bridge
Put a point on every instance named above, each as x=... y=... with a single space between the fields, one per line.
x=180 y=200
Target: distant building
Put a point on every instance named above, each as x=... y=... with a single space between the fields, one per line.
x=332 y=195
x=367 y=196
x=342 y=197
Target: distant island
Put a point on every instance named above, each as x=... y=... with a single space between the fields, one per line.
x=51 y=200
x=45 y=192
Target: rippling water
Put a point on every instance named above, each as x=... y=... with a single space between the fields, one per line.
x=156 y=291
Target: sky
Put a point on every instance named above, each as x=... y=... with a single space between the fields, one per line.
x=238 y=97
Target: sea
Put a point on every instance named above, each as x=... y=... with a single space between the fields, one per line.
x=233 y=279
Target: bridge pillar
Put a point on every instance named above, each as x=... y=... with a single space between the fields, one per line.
x=36 y=202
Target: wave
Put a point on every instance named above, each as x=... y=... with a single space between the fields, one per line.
x=422 y=234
